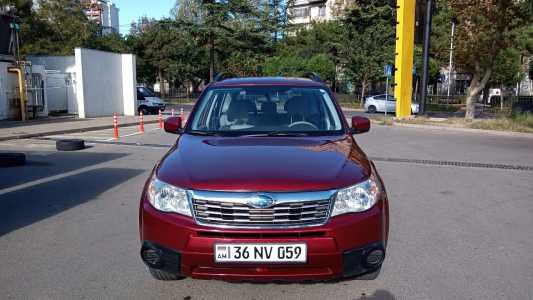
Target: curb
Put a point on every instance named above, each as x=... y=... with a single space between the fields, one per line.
x=67 y=131
x=353 y=109
x=466 y=130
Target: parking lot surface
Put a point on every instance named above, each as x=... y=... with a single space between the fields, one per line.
x=461 y=221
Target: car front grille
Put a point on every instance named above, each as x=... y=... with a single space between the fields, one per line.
x=239 y=214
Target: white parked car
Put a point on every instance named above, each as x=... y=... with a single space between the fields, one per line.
x=148 y=102
x=376 y=103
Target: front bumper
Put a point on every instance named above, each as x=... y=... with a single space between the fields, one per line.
x=158 y=107
x=335 y=250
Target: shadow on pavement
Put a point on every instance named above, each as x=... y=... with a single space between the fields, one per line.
x=41 y=121
x=35 y=203
x=378 y=295
x=40 y=166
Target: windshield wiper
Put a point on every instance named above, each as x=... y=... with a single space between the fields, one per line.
x=204 y=133
x=277 y=133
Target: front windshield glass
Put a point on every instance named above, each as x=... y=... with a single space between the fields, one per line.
x=145 y=92
x=266 y=110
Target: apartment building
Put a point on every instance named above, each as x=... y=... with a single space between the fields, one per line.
x=104 y=13
x=304 y=12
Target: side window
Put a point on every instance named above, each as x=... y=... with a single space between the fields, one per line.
x=223 y=117
x=140 y=96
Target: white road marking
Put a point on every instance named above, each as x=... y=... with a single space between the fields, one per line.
x=131 y=134
x=46 y=180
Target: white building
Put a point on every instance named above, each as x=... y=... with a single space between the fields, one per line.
x=304 y=12
x=104 y=13
x=110 y=21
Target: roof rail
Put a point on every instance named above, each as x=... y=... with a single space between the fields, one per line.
x=313 y=76
x=223 y=75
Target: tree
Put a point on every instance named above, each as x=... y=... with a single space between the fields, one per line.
x=530 y=71
x=56 y=28
x=368 y=44
x=244 y=64
x=507 y=68
x=224 y=28
x=112 y=42
x=170 y=51
x=485 y=30
x=296 y=66
x=189 y=11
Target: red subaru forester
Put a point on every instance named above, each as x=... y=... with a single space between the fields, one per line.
x=265 y=183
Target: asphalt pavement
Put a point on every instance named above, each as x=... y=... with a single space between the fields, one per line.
x=461 y=221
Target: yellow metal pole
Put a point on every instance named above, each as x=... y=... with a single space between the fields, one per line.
x=405 y=42
x=22 y=90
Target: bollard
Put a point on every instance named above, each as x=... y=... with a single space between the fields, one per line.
x=181 y=113
x=141 y=122
x=160 y=118
x=115 y=126
x=173 y=112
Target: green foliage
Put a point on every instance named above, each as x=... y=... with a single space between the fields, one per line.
x=56 y=28
x=369 y=41
x=169 y=50
x=433 y=66
x=285 y=66
x=23 y=6
x=507 y=68
x=244 y=64
x=295 y=66
x=531 y=69
x=320 y=38
x=113 y=42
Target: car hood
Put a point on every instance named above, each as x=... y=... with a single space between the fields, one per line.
x=154 y=99
x=268 y=164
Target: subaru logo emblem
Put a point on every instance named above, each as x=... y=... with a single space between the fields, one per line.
x=261 y=201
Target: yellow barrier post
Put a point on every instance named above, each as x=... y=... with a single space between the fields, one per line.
x=405 y=42
x=22 y=89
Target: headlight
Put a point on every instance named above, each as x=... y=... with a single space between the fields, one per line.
x=168 y=198
x=357 y=198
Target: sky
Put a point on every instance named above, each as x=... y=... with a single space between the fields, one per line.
x=131 y=10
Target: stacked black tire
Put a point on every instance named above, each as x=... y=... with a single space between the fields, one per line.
x=70 y=145
x=12 y=160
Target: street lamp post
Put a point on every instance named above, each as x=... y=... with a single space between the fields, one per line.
x=450 y=67
x=425 y=71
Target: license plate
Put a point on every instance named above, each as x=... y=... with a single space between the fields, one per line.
x=261 y=253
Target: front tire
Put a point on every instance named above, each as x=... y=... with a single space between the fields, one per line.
x=163 y=275
x=144 y=110
x=370 y=276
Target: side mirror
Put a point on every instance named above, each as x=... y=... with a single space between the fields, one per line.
x=360 y=125
x=173 y=125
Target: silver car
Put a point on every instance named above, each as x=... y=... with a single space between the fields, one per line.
x=376 y=103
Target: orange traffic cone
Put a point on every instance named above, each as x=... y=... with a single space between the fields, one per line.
x=160 y=118
x=141 y=122
x=115 y=126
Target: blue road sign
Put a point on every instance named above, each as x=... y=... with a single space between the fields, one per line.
x=388 y=70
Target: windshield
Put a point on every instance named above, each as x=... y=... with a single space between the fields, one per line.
x=266 y=110
x=145 y=92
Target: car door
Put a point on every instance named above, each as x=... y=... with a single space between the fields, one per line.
x=391 y=103
x=380 y=103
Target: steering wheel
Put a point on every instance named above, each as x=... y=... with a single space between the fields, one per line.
x=303 y=125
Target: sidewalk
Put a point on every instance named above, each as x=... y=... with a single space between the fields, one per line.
x=10 y=130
